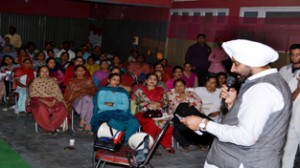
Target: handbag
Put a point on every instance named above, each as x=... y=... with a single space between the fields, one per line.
x=152 y=113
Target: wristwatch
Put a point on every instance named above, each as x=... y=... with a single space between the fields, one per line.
x=202 y=125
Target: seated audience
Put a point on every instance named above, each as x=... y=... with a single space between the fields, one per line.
x=222 y=77
x=31 y=51
x=177 y=74
x=160 y=82
x=124 y=83
x=210 y=95
x=22 y=76
x=168 y=68
x=165 y=75
x=8 y=50
x=101 y=74
x=189 y=76
x=185 y=137
x=147 y=97
x=139 y=68
x=63 y=60
x=22 y=55
x=133 y=56
x=50 y=53
x=111 y=105
x=8 y=66
x=79 y=53
x=46 y=101
x=70 y=73
x=39 y=60
x=97 y=52
x=91 y=66
x=116 y=62
x=66 y=48
x=55 y=71
x=79 y=95
x=103 y=57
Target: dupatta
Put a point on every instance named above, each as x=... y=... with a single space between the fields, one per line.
x=77 y=88
x=23 y=71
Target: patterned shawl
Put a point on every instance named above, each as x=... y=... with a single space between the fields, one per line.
x=78 y=88
x=45 y=87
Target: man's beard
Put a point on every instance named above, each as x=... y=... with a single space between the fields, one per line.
x=242 y=77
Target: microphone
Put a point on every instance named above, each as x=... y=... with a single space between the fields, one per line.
x=230 y=83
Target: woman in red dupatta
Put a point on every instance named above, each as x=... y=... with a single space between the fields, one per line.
x=153 y=97
x=22 y=76
x=46 y=101
x=79 y=95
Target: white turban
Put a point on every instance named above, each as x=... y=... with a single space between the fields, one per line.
x=250 y=53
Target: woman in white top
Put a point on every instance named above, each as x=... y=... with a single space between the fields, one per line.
x=210 y=95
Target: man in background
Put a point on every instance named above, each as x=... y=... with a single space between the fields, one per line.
x=15 y=39
x=197 y=54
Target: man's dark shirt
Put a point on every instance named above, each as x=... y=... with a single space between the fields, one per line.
x=197 y=55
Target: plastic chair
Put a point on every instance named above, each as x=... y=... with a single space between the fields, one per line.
x=121 y=157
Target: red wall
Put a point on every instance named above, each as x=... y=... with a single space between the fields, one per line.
x=64 y=8
x=123 y=12
x=234 y=5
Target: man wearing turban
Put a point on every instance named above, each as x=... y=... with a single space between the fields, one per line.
x=253 y=132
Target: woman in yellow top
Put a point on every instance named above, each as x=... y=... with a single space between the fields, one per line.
x=91 y=66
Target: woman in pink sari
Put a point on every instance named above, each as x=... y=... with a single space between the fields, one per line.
x=46 y=101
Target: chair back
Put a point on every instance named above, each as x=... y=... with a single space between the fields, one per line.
x=156 y=143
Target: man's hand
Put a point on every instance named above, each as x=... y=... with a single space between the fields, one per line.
x=192 y=122
x=224 y=92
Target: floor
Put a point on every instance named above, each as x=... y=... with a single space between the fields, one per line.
x=42 y=150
